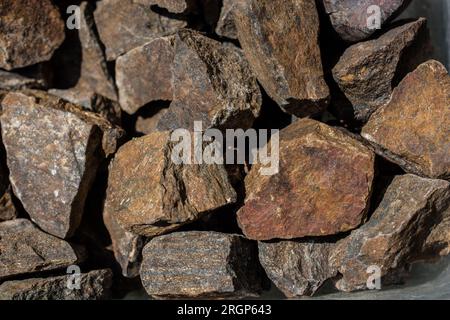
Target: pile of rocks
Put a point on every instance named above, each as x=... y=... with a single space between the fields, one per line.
x=88 y=181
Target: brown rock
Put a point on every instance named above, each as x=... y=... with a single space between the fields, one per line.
x=323 y=186
x=15 y=81
x=285 y=56
x=7 y=209
x=366 y=70
x=395 y=232
x=212 y=83
x=350 y=17
x=94 y=285
x=113 y=19
x=297 y=268
x=175 y=6
x=226 y=26
x=147 y=125
x=29 y=33
x=438 y=241
x=26 y=249
x=413 y=129
x=200 y=265
x=149 y=194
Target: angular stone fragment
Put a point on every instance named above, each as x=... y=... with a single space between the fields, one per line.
x=144 y=74
x=147 y=125
x=30 y=31
x=149 y=194
x=119 y=36
x=200 y=265
x=226 y=26
x=323 y=186
x=413 y=129
x=26 y=249
x=366 y=70
x=394 y=234
x=297 y=268
x=175 y=6
x=355 y=20
x=15 y=81
x=280 y=41
x=94 y=285
x=212 y=83
x=52 y=150
x=438 y=241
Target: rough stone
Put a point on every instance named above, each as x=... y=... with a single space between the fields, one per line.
x=26 y=249
x=323 y=186
x=30 y=32
x=350 y=18
x=147 y=125
x=94 y=285
x=284 y=56
x=175 y=6
x=413 y=129
x=149 y=194
x=394 y=234
x=438 y=241
x=14 y=81
x=200 y=265
x=226 y=26
x=297 y=268
x=366 y=70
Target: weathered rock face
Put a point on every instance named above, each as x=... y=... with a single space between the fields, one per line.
x=352 y=19
x=323 y=186
x=366 y=70
x=413 y=129
x=14 y=81
x=394 y=234
x=94 y=285
x=175 y=6
x=120 y=36
x=26 y=249
x=285 y=56
x=147 y=125
x=149 y=194
x=144 y=74
x=7 y=209
x=52 y=155
x=200 y=265
x=212 y=83
x=29 y=33
x=438 y=241
x=226 y=26
x=297 y=268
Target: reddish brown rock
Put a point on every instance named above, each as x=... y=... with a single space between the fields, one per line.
x=323 y=186
x=413 y=129
x=366 y=70
x=30 y=32
x=438 y=241
x=352 y=18
x=113 y=19
x=175 y=6
x=394 y=234
x=149 y=194
x=297 y=268
x=147 y=125
x=280 y=42
x=226 y=26
x=26 y=249
x=201 y=265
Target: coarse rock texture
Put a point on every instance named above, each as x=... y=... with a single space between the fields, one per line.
x=201 y=265
x=52 y=154
x=323 y=186
x=438 y=241
x=94 y=285
x=144 y=74
x=147 y=125
x=297 y=268
x=26 y=249
x=395 y=233
x=113 y=19
x=366 y=70
x=285 y=56
x=212 y=83
x=226 y=26
x=30 y=32
x=353 y=19
x=149 y=194
x=15 y=81
x=413 y=129
x=175 y=6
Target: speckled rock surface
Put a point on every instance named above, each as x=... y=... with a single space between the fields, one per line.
x=175 y=6
x=15 y=81
x=226 y=26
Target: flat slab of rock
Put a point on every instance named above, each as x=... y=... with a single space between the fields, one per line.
x=94 y=285
x=26 y=249
x=366 y=70
x=149 y=194
x=200 y=265
x=297 y=268
x=119 y=36
x=284 y=56
x=395 y=233
x=413 y=129
x=30 y=32
x=352 y=18
x=323 y=186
